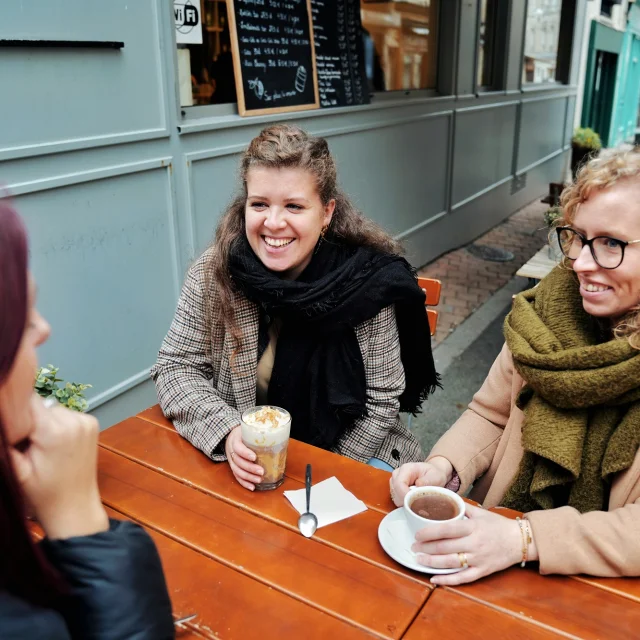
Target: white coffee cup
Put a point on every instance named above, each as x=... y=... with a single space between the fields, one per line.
x=416 y=522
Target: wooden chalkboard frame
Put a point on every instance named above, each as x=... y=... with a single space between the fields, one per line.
x=237 y=69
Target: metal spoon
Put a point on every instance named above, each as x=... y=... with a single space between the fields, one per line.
x=307 y=522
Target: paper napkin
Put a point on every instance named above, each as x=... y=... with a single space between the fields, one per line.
x=330 y=501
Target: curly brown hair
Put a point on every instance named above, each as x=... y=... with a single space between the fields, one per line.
x=278 y=147
x=603 y=172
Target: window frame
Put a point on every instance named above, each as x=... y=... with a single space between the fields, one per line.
x=500 y=18
x=610 y=4
x=200 y=117
x=566 y=34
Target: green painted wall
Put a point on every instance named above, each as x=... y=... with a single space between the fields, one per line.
x=612 y=83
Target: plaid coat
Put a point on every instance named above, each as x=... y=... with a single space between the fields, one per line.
x=204 y=395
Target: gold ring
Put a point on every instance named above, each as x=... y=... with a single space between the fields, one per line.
x=462 y=557
x=233 y=456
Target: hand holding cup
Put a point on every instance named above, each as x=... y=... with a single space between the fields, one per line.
x=435 y=473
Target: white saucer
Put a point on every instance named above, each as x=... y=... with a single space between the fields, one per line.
x=396 y=539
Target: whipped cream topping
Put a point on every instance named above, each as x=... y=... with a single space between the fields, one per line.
x=265 y=426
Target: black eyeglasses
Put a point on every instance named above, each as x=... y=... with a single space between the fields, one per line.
x=606 y=251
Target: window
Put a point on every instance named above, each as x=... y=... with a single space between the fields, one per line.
x=492 y=32
x=399 y=38
x=400 y=44
x=206 y=70
x=606 y=8
x=541 y=41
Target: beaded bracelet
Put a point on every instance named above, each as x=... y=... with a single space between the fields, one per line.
x=526 y=538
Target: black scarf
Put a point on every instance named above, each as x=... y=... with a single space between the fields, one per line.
x=318 y=374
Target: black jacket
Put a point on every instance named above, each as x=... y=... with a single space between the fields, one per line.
x=116 y=591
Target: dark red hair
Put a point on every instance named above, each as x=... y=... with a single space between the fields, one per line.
x=23 y=569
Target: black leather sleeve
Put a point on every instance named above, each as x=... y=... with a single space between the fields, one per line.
x=20 y=619
x=117 y=587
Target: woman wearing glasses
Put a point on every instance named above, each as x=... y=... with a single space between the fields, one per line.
x=554 y=431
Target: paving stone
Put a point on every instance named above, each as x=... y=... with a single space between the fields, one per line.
x=467 y=281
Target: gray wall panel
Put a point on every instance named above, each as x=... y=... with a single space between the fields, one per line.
x=105 y=264
x=483 y=149
x=368 y=164
x=394 y=175
x=213 y=182
x=74 y=97
x=474 y=218
x=542 y=130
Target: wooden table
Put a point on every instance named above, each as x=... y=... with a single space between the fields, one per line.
x=538 y=266
x=235 y=557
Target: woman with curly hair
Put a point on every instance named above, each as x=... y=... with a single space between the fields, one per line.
x=302 y=303
x=554 y=431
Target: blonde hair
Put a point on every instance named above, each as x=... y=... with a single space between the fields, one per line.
x=287 y=146
x=610 y=167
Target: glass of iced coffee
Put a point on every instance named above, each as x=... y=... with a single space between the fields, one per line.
x=265 y=430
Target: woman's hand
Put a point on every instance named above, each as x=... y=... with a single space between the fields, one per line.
x=241 y=460
x=489 y=541
x=435 y=473
x=58 y=472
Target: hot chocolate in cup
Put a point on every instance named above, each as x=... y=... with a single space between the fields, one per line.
x=265 y=430
x=426 y=506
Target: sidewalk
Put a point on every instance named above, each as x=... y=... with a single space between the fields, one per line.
x=468 y=281
x=477 y=293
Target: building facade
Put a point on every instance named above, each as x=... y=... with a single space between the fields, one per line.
x=117 y=155
x=609 y=88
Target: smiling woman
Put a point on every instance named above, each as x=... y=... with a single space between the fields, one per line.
x=303 y=303
x=284 y=218
x=602 y=207
x=555 y=429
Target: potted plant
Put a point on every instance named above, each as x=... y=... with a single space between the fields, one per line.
x=552 y=218
x=71 y=395
x=584 y=145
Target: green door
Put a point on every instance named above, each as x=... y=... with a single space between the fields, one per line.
x=605 y=47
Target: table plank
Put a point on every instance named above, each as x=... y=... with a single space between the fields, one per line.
x=538 y=266
x=371 y=484
x=625 y=587
x=312 y=572
x=449 y=615
x=165 y=451
x=222 y=597
x=567 y=605
x=231 y=605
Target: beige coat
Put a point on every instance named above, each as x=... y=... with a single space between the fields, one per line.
x=485 y=448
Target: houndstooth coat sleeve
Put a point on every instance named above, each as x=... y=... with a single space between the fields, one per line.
x=204 y=394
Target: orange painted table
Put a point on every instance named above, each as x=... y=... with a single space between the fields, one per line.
x=236 y=559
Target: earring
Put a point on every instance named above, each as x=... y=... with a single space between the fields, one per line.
x=324 y=231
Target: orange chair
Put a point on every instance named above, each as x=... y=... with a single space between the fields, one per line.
x=432 y=289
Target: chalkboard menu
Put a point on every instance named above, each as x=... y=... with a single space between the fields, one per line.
x=273 y=55
x=339 y=46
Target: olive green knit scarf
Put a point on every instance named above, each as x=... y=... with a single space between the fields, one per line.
x=581 y=401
